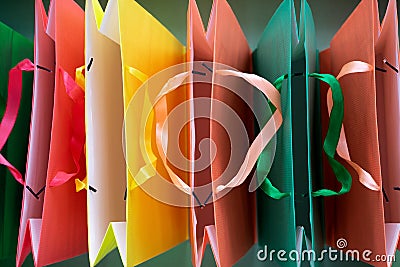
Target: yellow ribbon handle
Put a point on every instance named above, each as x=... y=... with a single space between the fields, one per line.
x=80 y=81
x=149 y=170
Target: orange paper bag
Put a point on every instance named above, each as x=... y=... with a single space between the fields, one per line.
x=367 y=219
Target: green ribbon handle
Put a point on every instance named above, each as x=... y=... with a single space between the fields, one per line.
x=267 y=186
x=330 y=143
x=332 y=137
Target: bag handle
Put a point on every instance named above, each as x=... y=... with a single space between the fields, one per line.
x=335 y=139
x=11 y=111
x=332 y=136
x=147 y=171
x=266 y=134
x=338 y=142
x=342 y=149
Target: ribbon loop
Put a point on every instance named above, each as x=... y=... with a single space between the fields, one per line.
x=11 y=111
x=266 y=134
x=332 y=137
x=342 y=149
x=330 y=143
x=147 y=171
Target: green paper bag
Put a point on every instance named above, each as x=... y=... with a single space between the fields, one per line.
x=286 y=222
x=276 y=221
x=13 y=48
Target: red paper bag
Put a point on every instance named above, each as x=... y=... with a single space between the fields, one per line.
x=61 y=230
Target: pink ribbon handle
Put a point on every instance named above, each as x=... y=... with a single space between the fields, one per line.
x=364 y=177
x=11 y=111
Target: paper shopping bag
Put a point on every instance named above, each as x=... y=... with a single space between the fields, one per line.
x=61 y=231
x=106 y=169
x=276 y=218
x=39 y=141
x=366 y=218
x=14 y=135
x=234 y=213
x=199 y=49
x=226 y=218
x=297 y=166
x=227 y=223
x=152 y=227
x=279 y=218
